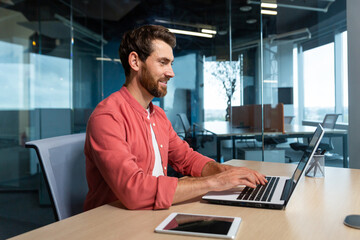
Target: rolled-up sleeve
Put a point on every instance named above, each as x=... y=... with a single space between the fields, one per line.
x=165 y=192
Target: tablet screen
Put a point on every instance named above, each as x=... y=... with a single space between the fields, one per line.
x=200 y=224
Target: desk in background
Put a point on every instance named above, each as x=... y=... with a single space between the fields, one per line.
x=224 y=131
x=315 y=211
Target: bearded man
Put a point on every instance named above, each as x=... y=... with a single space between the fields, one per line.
x=130 y=142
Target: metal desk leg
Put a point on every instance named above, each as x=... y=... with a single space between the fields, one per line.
x=233 y=147
x=345 y=151
x=218 y=149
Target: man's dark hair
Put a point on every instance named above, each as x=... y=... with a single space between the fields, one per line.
x=140 y=40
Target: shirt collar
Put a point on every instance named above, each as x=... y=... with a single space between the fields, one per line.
x=134 y=103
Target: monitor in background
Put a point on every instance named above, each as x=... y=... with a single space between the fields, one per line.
x=285 y=95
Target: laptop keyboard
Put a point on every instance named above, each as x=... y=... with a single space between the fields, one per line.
x=261 y=192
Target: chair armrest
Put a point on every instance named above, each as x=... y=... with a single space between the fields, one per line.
x=202 y=130
x=206 y=136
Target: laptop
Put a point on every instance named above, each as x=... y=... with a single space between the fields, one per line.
x=277 y=192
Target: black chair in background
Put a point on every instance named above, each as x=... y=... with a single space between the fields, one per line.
x=330 y=123
x=189 y=134
x=326 y=144
x=288 y=119
x=193 y=135
x=271 y=142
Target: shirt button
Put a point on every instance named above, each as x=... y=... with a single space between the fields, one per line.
x=154 y=124
x=161 y=145
x=165 y=168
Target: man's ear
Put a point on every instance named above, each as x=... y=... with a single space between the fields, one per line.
x=134 y=61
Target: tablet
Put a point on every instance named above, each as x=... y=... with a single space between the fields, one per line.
x=200 y=225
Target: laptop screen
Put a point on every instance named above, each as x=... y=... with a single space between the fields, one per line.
x=313 y=145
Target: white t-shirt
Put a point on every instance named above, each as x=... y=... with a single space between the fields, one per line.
x=158 y=170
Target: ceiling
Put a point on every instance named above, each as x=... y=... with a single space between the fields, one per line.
x=121 y=15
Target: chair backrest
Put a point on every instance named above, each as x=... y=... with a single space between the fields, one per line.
x=251 y=116
x=288 y=119
x=62 y=160
x=330 y=120
x=185 y=123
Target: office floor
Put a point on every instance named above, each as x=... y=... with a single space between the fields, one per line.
x=20 y=212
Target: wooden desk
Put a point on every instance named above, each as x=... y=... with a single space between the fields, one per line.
x=316 y=211
x=224 y=131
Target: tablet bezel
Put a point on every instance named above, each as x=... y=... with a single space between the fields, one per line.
x=230 y=235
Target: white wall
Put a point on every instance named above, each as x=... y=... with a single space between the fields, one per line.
x=353 y=27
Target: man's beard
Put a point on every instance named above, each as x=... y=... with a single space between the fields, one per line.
x=151 y=85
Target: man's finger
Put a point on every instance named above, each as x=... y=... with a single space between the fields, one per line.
x=247 y=183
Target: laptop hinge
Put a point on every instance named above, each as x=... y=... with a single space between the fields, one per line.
x=287 y=190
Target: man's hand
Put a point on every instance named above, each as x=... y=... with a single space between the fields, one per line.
x=234 y=177
x=216 y=177
x=246 y=175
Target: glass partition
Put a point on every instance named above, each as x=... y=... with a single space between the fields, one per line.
x=303 y=63
x=60 y=59
x=36 y=80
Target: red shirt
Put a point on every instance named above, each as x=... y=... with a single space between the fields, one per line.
x=120 y=155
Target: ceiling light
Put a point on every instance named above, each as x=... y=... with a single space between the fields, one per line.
x=197 y=34
x=245 y=8
x=251 y=21
x=208 y=31
x=270 y=81
x=269 y=5
x=193 y=25
x=268 y=12
x=325 y=9
x=103 y=59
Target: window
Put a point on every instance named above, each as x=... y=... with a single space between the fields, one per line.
x=50 y=82
x=326 y=80
x=220 y=79
x=12 y=76
x=319 y=82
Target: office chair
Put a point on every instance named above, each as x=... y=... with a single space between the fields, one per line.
x=271 y=142
x=328 y=122
x=185 y=124
x=62 y=161
x=190 y=135
x=288 y=119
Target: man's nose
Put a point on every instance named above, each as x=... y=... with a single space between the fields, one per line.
x=170 y=73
